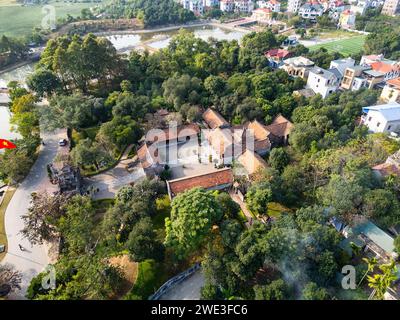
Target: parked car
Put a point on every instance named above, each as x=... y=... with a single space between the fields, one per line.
x=62 y=142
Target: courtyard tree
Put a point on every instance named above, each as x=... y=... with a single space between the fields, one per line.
x=192 y=216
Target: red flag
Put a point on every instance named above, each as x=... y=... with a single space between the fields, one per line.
x=5 y=144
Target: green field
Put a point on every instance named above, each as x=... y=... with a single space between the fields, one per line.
x=17 y=20
x=346 y=47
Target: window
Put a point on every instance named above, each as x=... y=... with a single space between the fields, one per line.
x=378 y=124
x=389 y=127
x=369 y=119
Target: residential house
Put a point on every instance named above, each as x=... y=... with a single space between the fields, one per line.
x=311 y=11
x=391 y=91
x=276 y=56
x=196 y=6
x=294 y=6
x=382 y=118
x=227 y=5
x=262 y=15
x=211 y=3
x=215 y=180
x=341 y=65
x=390 y=167
x=67 y=177
x=347 y=20
x=391 y=7
x=274 y=5
x=354 y=78
x=298 y=67
x=244 y=6
x=323 y=81
x=368 y=236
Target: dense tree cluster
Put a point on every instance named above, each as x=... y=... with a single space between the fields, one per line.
x=152 y=13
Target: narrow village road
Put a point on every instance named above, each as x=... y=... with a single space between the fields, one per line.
x=34 y=258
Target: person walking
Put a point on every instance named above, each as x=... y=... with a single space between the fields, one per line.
x=21 y=247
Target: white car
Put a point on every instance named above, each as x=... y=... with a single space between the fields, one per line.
x=62 y=142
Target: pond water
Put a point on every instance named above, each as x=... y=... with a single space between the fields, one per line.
x=18 y=74
x=5 y=127
x=160 y=40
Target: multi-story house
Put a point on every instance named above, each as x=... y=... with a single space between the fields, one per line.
x=341 y=65
x=298 y=67
x=294 y=6
x=323 y=82
x=311 y=11
x=354 y=79
x=347 y=20
x=274 y=5
x=382 y=118
x=211 y=3
x=262 y=15
x=227 y=5
x=196 y=6
x=391 y=7
x=244 y=5
x=389 y=69
x=391 y=91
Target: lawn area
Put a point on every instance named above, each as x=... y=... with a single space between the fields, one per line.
x=163 y=211
x=275 y=209
x=3 y=238
x=346 y=46
x=151 y=275
x=17 y=20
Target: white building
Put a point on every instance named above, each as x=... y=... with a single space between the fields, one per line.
x=342 y=65
x=324 y=82
x=382 y=118
x=211 y=3
x=244 y=5
x=227 y=5
x=196 y=6
x=294 y=6
x=274 y=5
x=311 y=11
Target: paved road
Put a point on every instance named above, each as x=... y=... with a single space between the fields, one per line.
x=35 y=258
x=109 y=182
x=188 y=289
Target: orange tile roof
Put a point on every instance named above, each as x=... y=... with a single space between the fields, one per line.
x=280 y=53
x=259 y=130
x=146 y=158
x=394 y=82
x=206 y=181
x=384 y=67
x=214 y=119
x=251 y=161
x=386 y=169
x=280 y=127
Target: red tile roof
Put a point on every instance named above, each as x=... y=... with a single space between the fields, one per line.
x=251 y=161
x=280 y=127
x=206 y=181
x=279 y=53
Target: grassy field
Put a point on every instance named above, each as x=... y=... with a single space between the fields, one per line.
x=346 y=46
x=3 y=238
x=16 y=20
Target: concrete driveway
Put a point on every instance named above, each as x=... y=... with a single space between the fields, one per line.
x=109 y=182
x=34 y=259
x=188 y=289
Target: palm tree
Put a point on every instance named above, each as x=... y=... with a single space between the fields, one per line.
x=371 y=266
x=382 y=281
